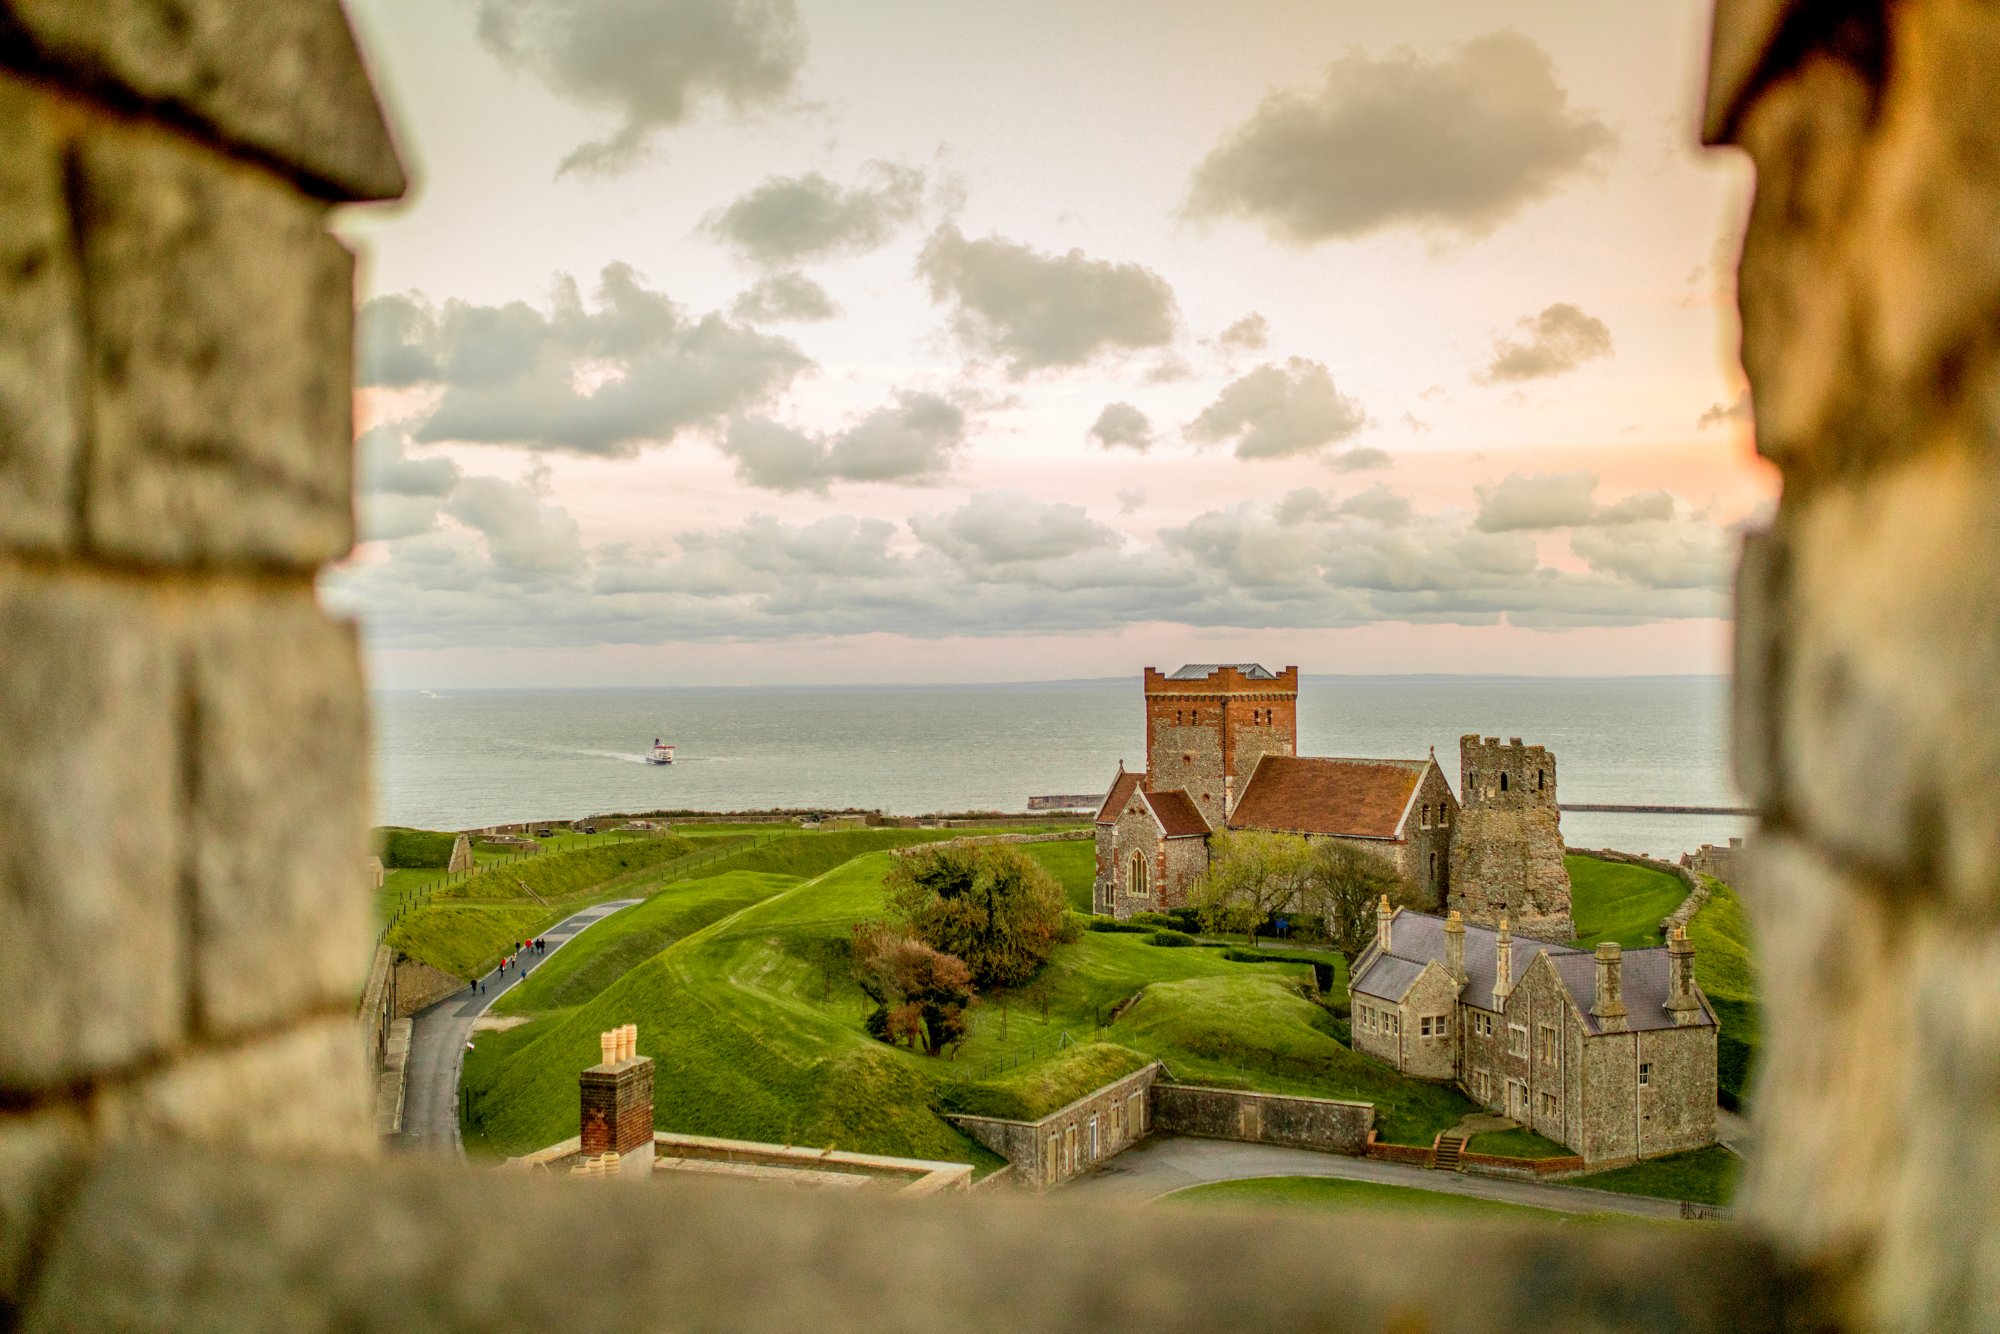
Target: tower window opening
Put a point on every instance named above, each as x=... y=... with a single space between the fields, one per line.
x=1503 y=782
x=1540 y=774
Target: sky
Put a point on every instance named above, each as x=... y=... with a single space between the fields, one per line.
x=785 y=341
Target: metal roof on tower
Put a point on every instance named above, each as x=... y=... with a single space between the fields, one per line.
x=1197 y=671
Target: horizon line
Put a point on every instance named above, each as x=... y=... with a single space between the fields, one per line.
x=1425 y=677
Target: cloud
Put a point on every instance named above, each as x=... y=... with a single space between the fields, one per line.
x=1003 y=528
x=1252 y=333
x=1452 y=147
x=1040 y=311
x=1364 y=459
x=1721 y=414
x=1559 y=339
x=653 y=64
x=505 y=568
x=399 y=496
x=913 y=440
x=1130 y=502
x=782 y=297
x=1122 y=424
x=1524 y=502
x=790 y=220
x=606 y=381
x=1277 y=411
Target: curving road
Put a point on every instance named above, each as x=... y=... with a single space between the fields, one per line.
x=438 y=1036
x=1157 y=1167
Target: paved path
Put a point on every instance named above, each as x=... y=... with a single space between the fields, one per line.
x=439 y=1035
x=1161 y=1166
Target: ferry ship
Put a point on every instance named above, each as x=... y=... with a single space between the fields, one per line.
x=661 y=753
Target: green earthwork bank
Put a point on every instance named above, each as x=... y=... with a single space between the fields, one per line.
x=737 y=968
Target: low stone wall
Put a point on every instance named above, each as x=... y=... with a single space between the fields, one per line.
x=1399 y=1153
x=1070 y=1140
x=378 y=1006
x=1521 y=1169
x=1328 y=1125
x=420 y=986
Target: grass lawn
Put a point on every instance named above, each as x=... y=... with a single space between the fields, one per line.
x=1030 y=1092
x=549 y=876
x=1707 y=1176
x=1516 y=1144
x=464 y=939
x=1615 y=901
x=1073 y=863
x=614 y=947
x=1727 y=973
x=1331 y=1193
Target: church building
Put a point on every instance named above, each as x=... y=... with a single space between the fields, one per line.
x=1222 y=753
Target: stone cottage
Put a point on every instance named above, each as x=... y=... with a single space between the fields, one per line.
x=1610 y=1052
x=1222 y=753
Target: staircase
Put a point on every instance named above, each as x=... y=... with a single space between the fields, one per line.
x=1444 y=1157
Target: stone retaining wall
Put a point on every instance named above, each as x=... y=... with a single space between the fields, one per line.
x=1328 y=1125
x=420 y=986
x=1072 y=1140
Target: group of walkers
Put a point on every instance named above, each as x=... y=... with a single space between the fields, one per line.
x=539 y=945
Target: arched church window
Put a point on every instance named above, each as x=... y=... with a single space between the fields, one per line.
x=1137 y=879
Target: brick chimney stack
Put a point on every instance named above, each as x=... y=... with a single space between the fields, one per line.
x=1385 y=917
x=1503 y=966
x=617 y=1104
x=1609 y=1006
x=1454 y=947
x=1681 y=1002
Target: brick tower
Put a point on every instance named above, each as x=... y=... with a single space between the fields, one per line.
x=1507 y=852
x=1209 y=723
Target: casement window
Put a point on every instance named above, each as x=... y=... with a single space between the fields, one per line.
x=1548 y=1104
x=1517 y=1039
x=1548 y=1039
x=1645 y=1074
x=1432 y=1026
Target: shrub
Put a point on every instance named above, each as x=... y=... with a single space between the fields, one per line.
x=990 y=905
x=1113 y=924
x=1172 y=939
x=920 y=994
x=1235 y=955
x=1156 y=920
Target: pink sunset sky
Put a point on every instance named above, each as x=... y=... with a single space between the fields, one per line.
x=743 y=341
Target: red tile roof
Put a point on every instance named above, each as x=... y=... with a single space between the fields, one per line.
x=1356 y=798
x=1121 y=792
x=1177 y=814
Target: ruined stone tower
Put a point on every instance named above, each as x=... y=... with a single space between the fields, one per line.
x=1507 y=852
x=1208 y=724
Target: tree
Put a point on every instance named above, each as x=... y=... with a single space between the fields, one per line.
x=1346 y=884
x=1251 y=874
x=989 y=904
x=920 y=994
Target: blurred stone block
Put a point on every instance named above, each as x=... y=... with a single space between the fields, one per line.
x=41 y=346
x=93 y=975
x=1891 y=734
x=41 y=1156
x=281 y=81
x=221 y=361
x=279 y=816
x=307 y=1089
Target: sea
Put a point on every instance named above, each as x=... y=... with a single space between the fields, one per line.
x=458 y=759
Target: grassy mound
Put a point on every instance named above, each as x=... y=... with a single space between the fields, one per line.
x=809 y=855
x=415 y=849
x=1707 y=1176
x=1724 y=967
x=1252 y=1029
x=1031 y=1092
x=557 y=875
x=464 y=938
x=1074 y=863
x=1617 y=901
x=600 y=956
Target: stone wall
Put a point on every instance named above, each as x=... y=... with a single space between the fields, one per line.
x=184 y=783
x=1072 y=1140
x=420 y=986
x=1328 y=1125
x=1507 y=848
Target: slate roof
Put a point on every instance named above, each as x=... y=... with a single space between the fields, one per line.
x=1417 y=938
x=1355 y=798
x=1177 y=814
x=1122 y=788
x=1199 y=671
